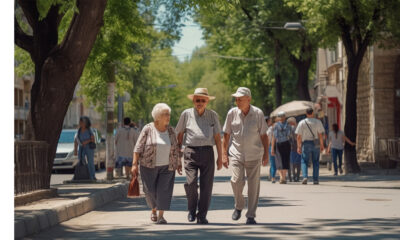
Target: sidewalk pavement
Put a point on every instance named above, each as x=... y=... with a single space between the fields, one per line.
x=73 y=200
x=359 y=206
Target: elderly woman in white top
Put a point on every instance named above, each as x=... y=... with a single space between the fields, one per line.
x=157 y=152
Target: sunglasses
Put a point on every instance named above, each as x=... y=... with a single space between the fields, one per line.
x=200 y=100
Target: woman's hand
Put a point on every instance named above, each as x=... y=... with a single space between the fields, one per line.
x=134 y=170
x=179 y=169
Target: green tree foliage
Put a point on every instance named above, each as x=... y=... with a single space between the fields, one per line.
x=359 y=24
x=251 y=29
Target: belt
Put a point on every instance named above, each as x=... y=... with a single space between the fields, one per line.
x=199 y=147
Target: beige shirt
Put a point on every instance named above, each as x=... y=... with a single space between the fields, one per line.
x=246 y=132
x=125 y=140
x=199 y=130
x=305 y=133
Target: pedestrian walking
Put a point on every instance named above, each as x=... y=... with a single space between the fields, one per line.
x=245 y=124
x=310 y=143
x=295 y=158
x=125 y=140
x=202 y=129
x=336 y=144
x=272 y=166
x=157 y=152
x=84 y=145
x=280 y=147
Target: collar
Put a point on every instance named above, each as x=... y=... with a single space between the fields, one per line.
x=251 y=110
x=197 y=113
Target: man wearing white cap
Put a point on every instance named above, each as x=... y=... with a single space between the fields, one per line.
x=202 y=129
x=245 y=123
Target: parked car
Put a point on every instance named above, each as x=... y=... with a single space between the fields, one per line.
x=65 y=158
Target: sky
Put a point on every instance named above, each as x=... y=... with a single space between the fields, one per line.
x=191 y=38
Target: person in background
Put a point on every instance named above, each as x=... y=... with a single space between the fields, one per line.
x=125 y=140
x=295 y=158
x=202 y=131
x=336 y=144
x=310 y=143
x=81 y=144
x=246 y=124
x=280 y=147
x=272 y=168
x=157 y=151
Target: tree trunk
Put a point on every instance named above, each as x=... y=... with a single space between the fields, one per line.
x=302 y=80
x=350 y=127
x=57 y=71
x=278 y=79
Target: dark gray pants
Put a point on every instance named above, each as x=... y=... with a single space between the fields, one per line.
x=158 y=185
x=199 y=158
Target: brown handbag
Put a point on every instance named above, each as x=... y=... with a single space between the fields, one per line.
x=134 y=188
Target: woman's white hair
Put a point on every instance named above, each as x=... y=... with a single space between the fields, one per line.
x=291 y=119
x=158 y=109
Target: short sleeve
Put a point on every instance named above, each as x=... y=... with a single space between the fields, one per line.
x=320 y=127
x=141 y=141
x=181 y=126
x=228 y=123
x=298 y=129
x=217 y=125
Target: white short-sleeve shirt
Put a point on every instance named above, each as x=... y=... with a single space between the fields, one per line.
x=304 y=131
x=246 y=132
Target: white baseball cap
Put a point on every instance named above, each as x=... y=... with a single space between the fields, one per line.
x=241 y=92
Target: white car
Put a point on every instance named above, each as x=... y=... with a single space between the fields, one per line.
x=65 y=158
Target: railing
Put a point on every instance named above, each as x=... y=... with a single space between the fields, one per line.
x=30 y=166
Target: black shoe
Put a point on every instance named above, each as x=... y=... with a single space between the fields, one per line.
x=191 y=216
x=315 y=182
x=251 y=221
x=202 y=220
x=236 y=214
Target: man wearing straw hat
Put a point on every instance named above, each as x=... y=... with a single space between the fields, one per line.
x=245 y=123
x=202 y=130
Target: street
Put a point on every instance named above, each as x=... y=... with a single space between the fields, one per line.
x=344 y=207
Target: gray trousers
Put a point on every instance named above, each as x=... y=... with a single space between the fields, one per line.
x=158 y=185
x=199 y=158
x=252 y=170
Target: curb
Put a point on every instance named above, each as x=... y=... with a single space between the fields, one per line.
x=40 y=220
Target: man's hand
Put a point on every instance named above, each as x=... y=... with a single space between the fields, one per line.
x=299 y=150
x=75 y=152
x=272 y=152
x=219 y=163
x=134 y=170
x=321 y=148
x=225 y=160
x=265 y=159
x=179 y=169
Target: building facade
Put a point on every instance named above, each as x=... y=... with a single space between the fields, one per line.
x=378 y=97
x=77 y=108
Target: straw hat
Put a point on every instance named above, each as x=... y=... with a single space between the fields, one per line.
x=201 y=92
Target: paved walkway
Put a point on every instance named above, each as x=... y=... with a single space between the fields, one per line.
x=344 y=207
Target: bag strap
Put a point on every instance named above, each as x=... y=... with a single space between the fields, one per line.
x=309 y=129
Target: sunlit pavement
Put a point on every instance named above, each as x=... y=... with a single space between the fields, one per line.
x=344 y=207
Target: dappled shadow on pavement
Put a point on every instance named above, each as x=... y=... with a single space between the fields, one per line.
x=179 y=203
x=372 y=228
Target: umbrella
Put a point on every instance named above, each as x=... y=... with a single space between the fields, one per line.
x=293 y=108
